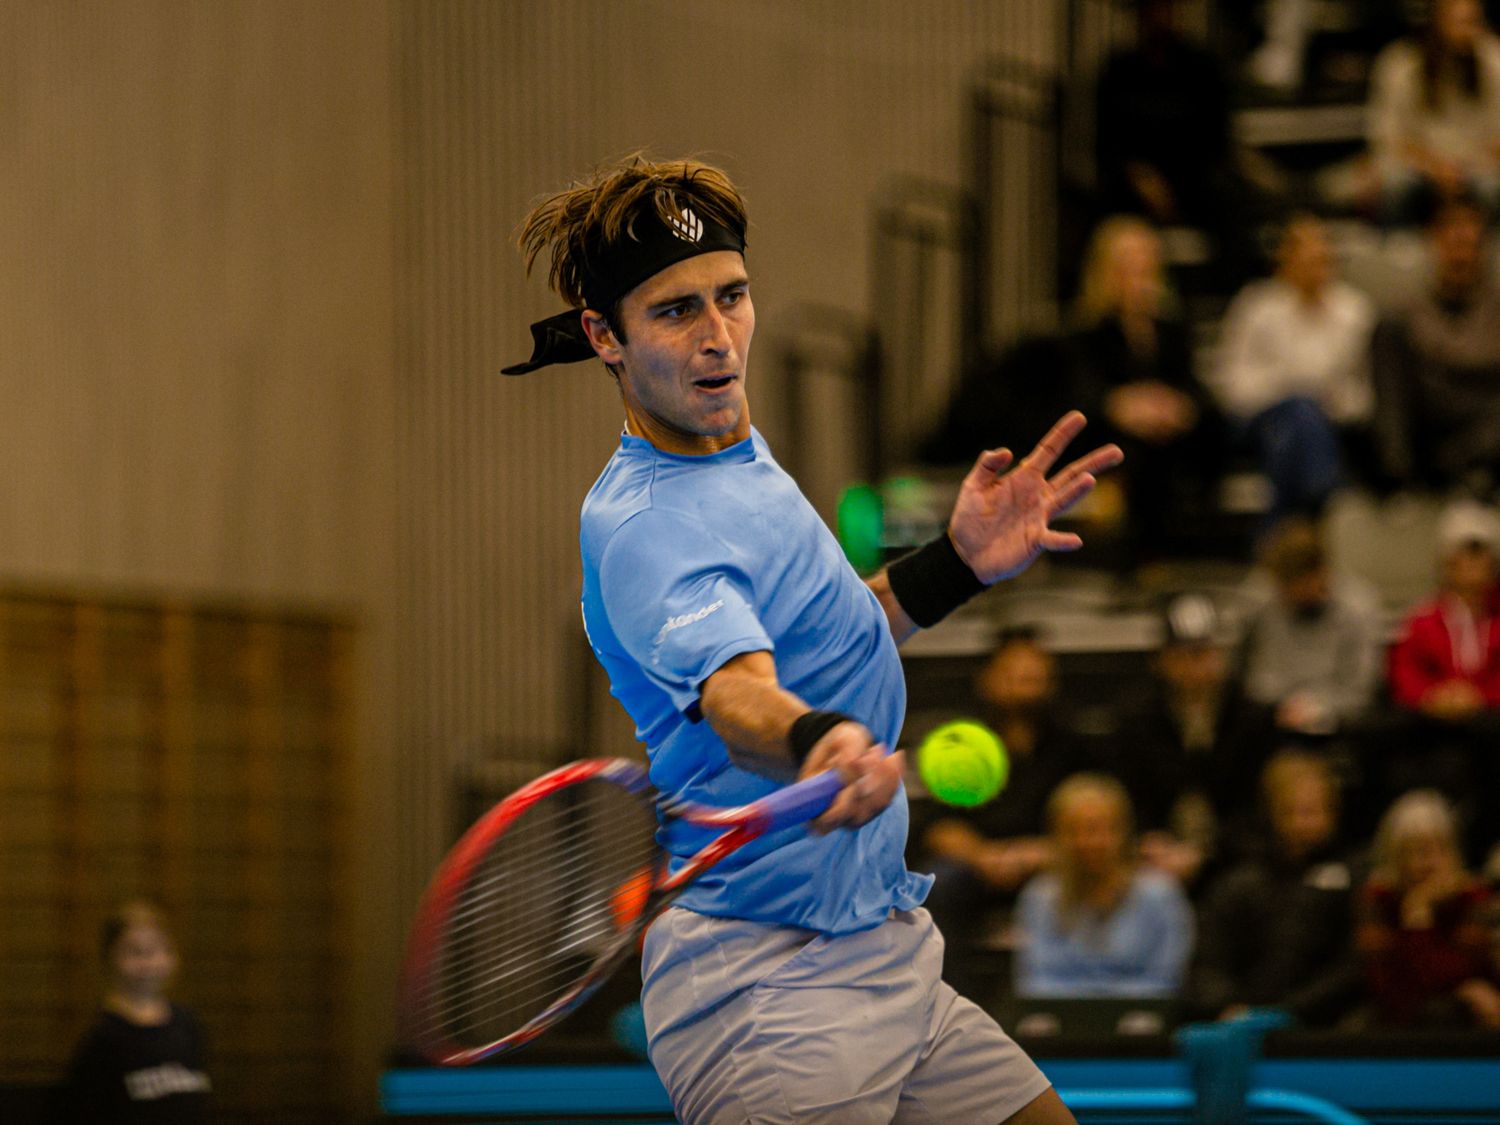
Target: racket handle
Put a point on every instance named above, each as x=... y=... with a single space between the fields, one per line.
x=801 y=802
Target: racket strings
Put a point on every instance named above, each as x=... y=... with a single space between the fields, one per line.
x=553 y=895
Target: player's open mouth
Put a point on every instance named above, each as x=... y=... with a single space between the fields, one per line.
x=715 y=384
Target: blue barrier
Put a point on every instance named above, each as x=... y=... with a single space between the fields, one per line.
x=1177 y=1098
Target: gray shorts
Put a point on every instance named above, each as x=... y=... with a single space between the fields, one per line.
x=750 y=1022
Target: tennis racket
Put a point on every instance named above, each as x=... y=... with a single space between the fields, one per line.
x=548 y=893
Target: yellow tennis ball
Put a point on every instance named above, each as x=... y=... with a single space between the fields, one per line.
x=963 y=763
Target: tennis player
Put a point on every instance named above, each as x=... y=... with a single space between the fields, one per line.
x=798 y=981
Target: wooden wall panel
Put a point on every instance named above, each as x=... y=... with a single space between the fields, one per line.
x=197 y=373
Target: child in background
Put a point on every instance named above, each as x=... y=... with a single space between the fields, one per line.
x=142 y=1061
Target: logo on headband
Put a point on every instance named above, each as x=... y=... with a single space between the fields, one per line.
x=687 y=226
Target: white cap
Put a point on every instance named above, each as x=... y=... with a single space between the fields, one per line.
x=1464 y=522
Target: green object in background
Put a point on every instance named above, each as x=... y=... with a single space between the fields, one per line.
x=861 y=527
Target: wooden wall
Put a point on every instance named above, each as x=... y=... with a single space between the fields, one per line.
x=196 y=373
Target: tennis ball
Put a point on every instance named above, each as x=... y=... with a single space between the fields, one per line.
x=963 y=763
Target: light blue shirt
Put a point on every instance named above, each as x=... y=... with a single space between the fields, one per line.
x=1140 y=948
x=689 y=561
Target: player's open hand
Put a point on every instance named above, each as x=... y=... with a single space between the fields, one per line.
x=1002 y=519
x=871 y=776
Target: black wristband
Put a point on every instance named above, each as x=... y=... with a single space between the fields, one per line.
x=932 y=581
x=808 y=728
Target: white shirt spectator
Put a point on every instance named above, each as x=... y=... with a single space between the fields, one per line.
x=1277 y=346
x=1461 y=129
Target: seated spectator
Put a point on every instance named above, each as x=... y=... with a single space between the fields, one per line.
x=1162 y=136
x=1446 y=661
x=1436 y=368
x=982 y=856
x=1131 y=371
x=1434 y=115
x=1189 y=750
x=1444 y=671
x=1427 y=956
x=1277 y=930
x=1097 y=923
x=1313 y=652
x=1294 y=369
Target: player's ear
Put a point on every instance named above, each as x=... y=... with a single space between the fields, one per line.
x=602 y=337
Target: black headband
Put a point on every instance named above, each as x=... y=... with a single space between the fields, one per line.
x=611 y=270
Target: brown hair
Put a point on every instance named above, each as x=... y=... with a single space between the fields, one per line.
x=602 y=208
x=1434 y=54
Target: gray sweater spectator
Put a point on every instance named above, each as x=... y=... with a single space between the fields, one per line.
x=1312 y=652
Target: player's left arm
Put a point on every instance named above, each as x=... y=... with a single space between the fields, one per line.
x=1001 y=524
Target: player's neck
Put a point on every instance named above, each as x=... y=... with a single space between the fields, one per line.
x=669 y=439
x=142 y=1009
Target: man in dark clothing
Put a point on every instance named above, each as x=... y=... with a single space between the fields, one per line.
x=1277 y=930
x=1162 y=136
x=1436 y=367
x=1190 y=750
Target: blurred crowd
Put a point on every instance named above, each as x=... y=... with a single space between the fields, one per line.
x=1303 y=810
x=1300 y=816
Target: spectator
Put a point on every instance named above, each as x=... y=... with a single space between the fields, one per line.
x=1278 y=929
x=1313 y=652
x=143 y=1058
x=1446 y=661
x=982 y=856
x=1162 y=136
x=1131 y=371
x=1427 y=955
x=1294 y=368
x=1434 y=116
x=1445 y=683
x=1098 y=924
x=1436 y=367
x=1190 y=749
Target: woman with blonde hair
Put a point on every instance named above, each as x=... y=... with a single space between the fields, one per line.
x=1097 y=923
x=1426 y=951
x=1131 y=370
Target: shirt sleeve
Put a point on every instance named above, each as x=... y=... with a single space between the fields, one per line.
x=680 y=601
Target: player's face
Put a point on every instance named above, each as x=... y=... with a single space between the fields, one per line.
x=144 y=960
x=682 y=369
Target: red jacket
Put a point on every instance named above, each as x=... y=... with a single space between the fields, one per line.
x=1437 y=643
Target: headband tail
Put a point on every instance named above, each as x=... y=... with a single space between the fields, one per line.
x=558 y=339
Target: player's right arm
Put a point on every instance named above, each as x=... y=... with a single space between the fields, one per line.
x=749 y=709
